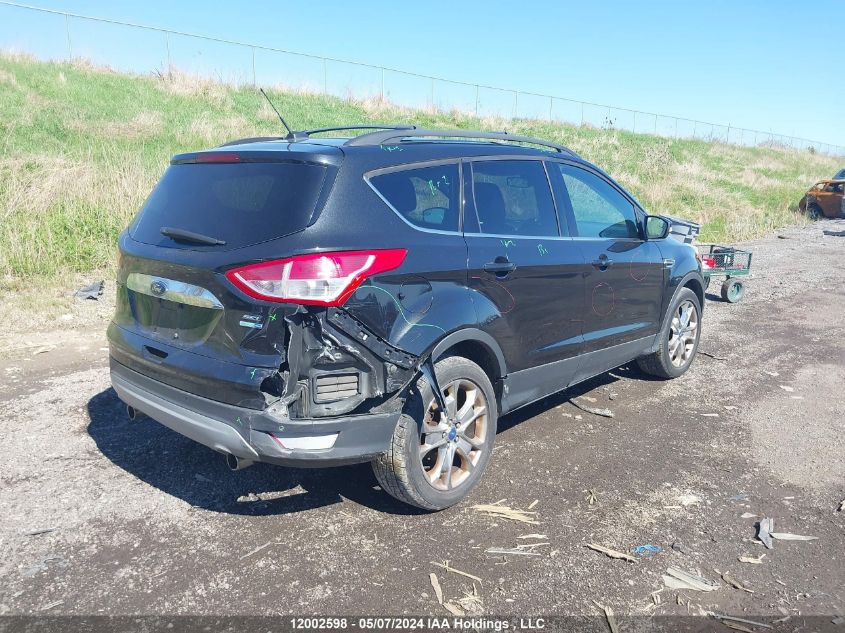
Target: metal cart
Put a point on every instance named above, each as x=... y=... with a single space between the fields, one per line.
x=730 y=263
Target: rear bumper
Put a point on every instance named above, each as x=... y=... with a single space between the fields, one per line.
x=252 y=434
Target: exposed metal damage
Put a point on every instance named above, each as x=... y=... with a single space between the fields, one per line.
x=334 y=365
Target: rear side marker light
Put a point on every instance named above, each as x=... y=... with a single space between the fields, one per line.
x=325 y=279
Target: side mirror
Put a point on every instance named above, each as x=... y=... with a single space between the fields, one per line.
x=656 y=227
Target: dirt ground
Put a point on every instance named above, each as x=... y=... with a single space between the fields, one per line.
x=101 y=515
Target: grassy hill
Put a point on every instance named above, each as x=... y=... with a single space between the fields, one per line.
x=80 y=148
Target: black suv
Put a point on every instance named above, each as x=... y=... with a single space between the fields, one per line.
x=313 y=301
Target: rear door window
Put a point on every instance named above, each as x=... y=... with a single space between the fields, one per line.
x=427 y=197
x=239 y=203
x=600 y=210
x=512 y=197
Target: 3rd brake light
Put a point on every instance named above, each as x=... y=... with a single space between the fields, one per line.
x=326 y=279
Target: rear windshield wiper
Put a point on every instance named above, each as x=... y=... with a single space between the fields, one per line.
x=189 y=236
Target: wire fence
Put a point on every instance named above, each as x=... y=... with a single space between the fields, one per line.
x=132 y=47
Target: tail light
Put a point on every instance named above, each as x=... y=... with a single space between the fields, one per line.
x=708 y=262
x=326 y=279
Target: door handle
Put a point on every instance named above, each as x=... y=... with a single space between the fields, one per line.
x=602 y=262
x=500 y=267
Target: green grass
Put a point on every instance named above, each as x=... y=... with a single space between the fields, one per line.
x=80 y=148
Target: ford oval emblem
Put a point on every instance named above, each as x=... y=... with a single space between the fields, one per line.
x=158 y=287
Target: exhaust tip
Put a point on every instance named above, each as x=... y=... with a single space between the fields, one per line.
x=132 y=413
x=236 y=463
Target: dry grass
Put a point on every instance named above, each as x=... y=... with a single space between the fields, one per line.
x=81 y=146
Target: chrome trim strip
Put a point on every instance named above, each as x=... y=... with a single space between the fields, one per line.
x=177 y=291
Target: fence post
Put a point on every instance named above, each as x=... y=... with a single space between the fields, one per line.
x=728 y=135
x=582 y=114
x=67 y=32
x=515 y=103
x=432 y=94
x=254 y=79
x=634 y=129
x=167 y=46
x=382 y=85
x=476 y=101
x=551 y=102
x=325 y=78
x=676 y=128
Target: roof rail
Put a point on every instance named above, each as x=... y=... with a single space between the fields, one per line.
x=356 y=127
x=301 y=135
x=384 y=136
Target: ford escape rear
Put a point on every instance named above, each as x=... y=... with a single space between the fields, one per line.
x=314 y=301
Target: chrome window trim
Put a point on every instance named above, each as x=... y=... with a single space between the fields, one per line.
x=539 y=159
x=420 y=165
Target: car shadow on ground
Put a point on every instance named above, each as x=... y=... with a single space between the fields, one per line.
x=199 y=476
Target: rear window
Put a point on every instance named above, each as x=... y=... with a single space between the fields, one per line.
x=425 y=196
x=241 y=203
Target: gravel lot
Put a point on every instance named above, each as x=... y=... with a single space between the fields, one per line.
x=106 y=516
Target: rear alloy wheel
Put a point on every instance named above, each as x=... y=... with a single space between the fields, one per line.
x=436 y=457
x=678 y=338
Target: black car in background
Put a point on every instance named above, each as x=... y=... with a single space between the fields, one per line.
x=314 y=301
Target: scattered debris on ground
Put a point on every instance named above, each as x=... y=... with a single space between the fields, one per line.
x=689 y=499
x=609 y=616
x=91 y=291
x=735 y=583
x=605 y=413
x=647 y=549
x=499 y=511
x=764 y=532
x=727 y=620
x=676 y=578
x=752 y=560
x=612 y=553
x=445 y=565
x=39 y=532
x=713 y=356
x=435 y=584
x=259 y=548
x=519 y=550
x=786 y=536
x=680 y=547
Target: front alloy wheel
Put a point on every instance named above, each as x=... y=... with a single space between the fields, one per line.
x=678 y=338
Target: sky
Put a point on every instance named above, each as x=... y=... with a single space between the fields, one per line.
x=759 y=65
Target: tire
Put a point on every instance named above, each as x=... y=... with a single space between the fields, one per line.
x=420 y=478
x=814 y=212
x=706 y=283
x=733 y=290
x=661 y=363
